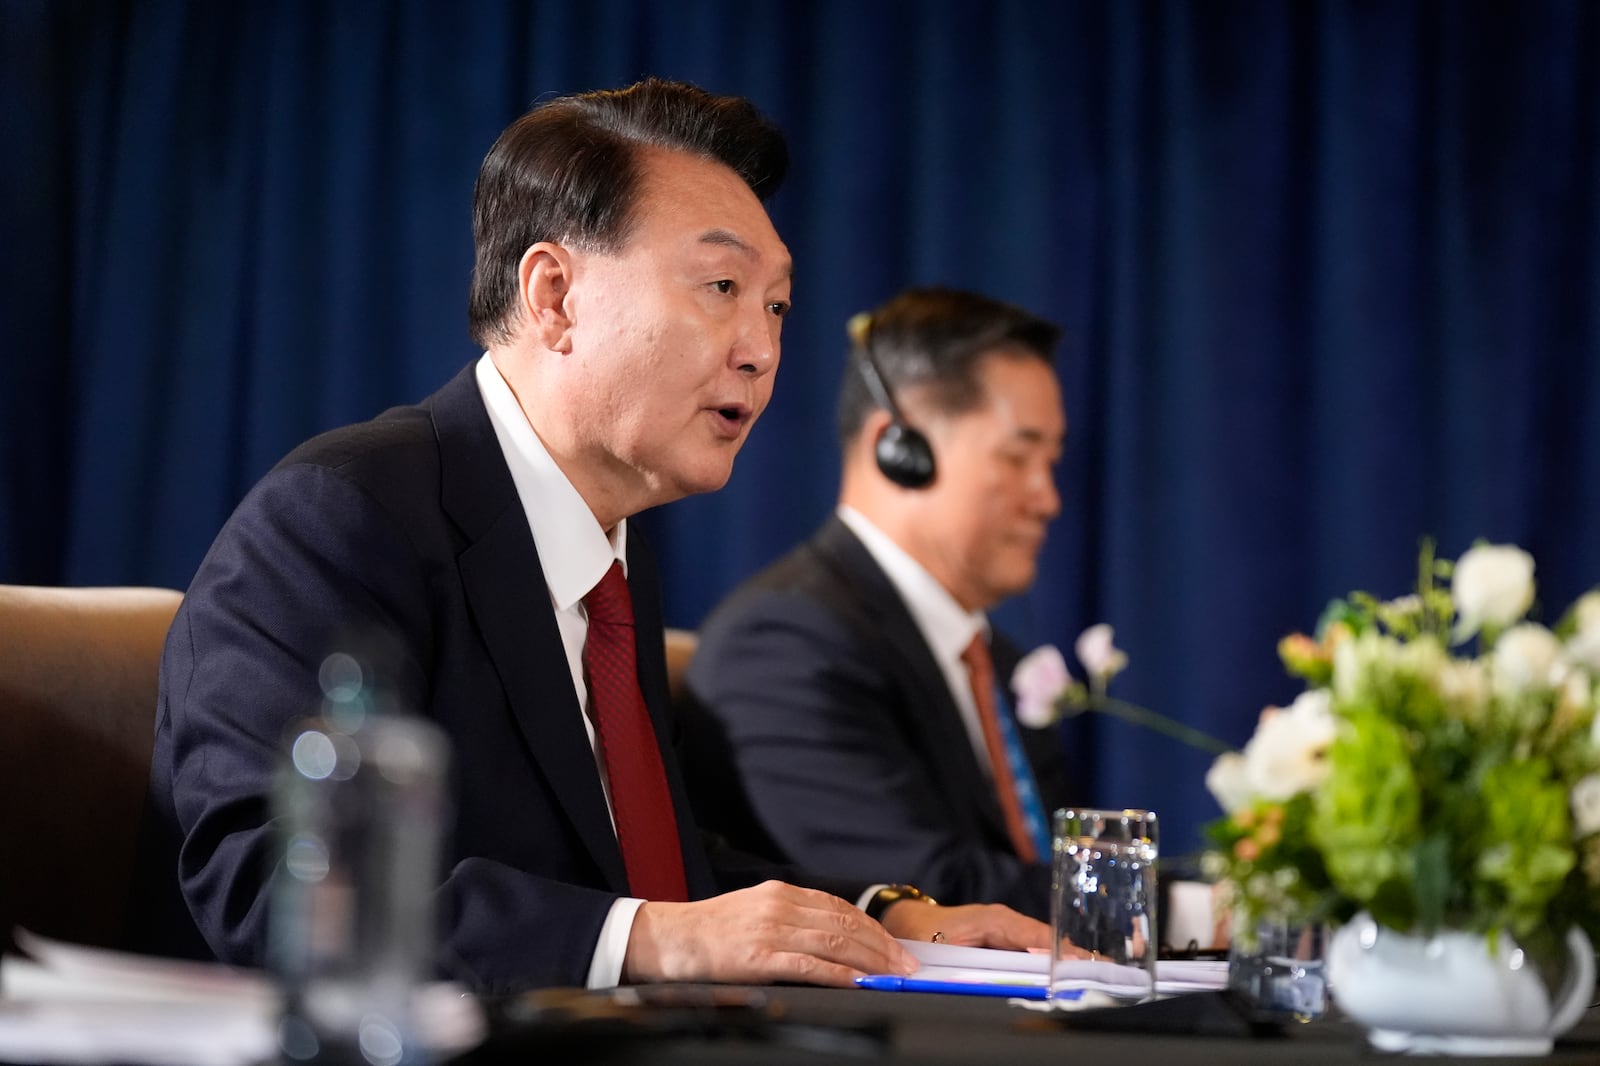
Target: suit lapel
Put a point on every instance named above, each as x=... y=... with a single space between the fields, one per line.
x=505 y=589
x=950 y=750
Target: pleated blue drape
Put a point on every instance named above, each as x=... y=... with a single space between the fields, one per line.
x=1329 y=275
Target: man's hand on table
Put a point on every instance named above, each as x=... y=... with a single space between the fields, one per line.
x=985 y=925
x=772 y=932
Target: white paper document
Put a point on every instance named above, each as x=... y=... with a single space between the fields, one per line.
x=68 y=1004
x=951 y=962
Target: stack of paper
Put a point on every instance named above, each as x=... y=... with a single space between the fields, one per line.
x=71 y=1004
x=1026 y=974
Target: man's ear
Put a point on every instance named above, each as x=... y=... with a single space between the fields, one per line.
x=873 y=425
x=861 y=452
x=544 y=279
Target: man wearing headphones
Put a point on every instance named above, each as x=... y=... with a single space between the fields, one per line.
x=851 y=702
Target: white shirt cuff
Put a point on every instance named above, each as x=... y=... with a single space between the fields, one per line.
x=866 y=897
x=605 y=969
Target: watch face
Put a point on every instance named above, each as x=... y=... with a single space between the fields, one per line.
x=888 y=894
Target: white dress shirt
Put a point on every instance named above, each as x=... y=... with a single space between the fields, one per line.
x=946 y=626
x=575 y=554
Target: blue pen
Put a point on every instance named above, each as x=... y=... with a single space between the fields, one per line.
x=883 y=982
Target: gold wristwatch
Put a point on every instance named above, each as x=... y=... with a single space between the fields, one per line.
x=888 y=894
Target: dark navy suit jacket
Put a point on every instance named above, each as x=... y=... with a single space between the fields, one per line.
x=824 y=733
x=403 y=541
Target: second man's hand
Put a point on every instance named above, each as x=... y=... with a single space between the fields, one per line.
x=987 y=925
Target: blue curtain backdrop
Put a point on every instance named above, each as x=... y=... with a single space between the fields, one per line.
x=1329 y=275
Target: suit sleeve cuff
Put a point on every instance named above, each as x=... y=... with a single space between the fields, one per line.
x=605 y=969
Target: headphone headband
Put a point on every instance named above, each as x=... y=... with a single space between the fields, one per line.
x=903 y=453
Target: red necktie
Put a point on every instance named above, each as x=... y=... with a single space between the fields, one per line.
x=647 y=828
x=980 y=669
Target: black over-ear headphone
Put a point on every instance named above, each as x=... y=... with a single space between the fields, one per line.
x=903 y=453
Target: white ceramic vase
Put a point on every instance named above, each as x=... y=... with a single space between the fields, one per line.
x=1454 y=993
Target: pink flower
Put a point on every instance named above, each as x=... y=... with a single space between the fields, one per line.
x=1100 y=657
x=1038 y=681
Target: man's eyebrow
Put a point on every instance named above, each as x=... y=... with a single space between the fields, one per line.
x=1035 y=435
x=728 y=239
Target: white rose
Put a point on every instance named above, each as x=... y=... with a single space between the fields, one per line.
x=1361 y=663
x=1423 y=659
x=1287 y=756
x=1584 y=647
x=1577 y=695
x=1493 y=585
x=1038 y=681
x=1586 y=805
x=1464 y=686
x=1101 y=659
x=1527 y=657
x=1228 y=781
x=1584 y=650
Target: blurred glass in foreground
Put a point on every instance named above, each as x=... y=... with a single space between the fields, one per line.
x=360 y=805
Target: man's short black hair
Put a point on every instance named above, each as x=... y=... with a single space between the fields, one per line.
x=932 y=340
x=568 y=172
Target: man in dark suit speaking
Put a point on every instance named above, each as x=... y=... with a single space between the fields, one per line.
x=629 y=291
x=853 y=693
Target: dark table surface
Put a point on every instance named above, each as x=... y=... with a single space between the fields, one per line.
x=713 y=1025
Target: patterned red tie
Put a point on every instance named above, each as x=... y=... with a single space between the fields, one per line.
x=647 y=828
x=980 y=669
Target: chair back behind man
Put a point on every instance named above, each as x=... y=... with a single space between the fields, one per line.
x=681 y=644
x=78 y=672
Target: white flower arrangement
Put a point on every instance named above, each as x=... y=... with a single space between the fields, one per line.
x=1433 y=782
x=1440 y=771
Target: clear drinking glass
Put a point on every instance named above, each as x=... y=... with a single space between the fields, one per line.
x=1103 y=903
x=360 y=804
x=1280 y=974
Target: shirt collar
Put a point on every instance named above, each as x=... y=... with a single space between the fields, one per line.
x=945 y=624
x=573 y=549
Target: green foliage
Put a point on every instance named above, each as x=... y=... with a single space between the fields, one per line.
x=1458 y=785
x=1367 y=815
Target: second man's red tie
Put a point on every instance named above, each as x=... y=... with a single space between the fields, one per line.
x=641 y=803
x=980 y=669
